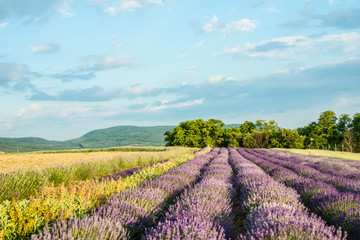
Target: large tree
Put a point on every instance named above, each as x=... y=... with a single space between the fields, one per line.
x=287 y=138
x=196 y=133
x=329 y=129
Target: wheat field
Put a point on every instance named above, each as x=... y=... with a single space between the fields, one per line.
x=39 y=161
x=327 y=153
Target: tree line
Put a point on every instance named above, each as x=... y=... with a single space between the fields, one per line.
x=328 y=132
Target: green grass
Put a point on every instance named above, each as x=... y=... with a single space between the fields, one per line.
x=326 y=153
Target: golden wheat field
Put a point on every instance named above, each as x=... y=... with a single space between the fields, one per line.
x=39 y=161
x=327 y=153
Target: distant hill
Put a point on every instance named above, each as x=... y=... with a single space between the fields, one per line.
x=123 y=136
x=101 y=138
x=232 y=125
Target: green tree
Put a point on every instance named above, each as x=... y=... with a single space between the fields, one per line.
x=328 y=129
x=247 y=127
x=233 y=137
x=256 y=139
x=308 y=131
x=287 y=138
x=344 y=123
x=196 y=133
x=262 y=125
x=355 y=126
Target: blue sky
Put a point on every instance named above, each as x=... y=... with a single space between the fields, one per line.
x=68 y=67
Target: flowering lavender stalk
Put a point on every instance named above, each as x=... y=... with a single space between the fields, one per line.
x=89 y=227
x=300 y=167
x=134 y=209
x=202 y=212
x=272 y=210
x=277 y=221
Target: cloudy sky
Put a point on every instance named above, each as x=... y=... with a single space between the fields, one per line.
x=71 y=66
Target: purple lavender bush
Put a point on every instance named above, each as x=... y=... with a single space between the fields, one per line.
x=89 y=227
x=272 y=210
x=277 y=221
x=204 y=211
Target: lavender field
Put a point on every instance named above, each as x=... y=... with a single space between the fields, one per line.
x=230 y=193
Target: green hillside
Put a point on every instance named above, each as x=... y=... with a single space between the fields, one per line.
x=102 y=138
x=122 y=136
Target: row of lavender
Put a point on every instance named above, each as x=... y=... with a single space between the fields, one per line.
x=328 y=174
x=273 y=211
x=332 y=197
x=204 y=211
x=129 y=212
x=338 y=167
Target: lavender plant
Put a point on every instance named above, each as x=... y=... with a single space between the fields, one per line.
x=269 y=206
x=89 y=227
x=202 y=212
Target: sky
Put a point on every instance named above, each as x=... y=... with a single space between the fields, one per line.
x=71 y=66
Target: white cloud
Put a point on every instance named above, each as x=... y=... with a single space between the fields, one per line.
x=117 y=43
x=191 y=70
x=212 y=25
x=347 y=101
x=14 y=75
x=230 y=79
x=156 y=2
x=129 y=5
x=45 y=48
x=6 y=124
x=98 y=62
x=70 y=112
x=216 y=78
x=36 y=111
x=242 y=25
x=272 y=10
x=124 y=5
x=199 y=44
x=342 y=102
x=285 y=46
x=65 y=9
x=111 y=10
x=165 y=105
x=183 y=55
x=3 y=25
x=97 y=2
x=220 y=78
x=136 y=90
